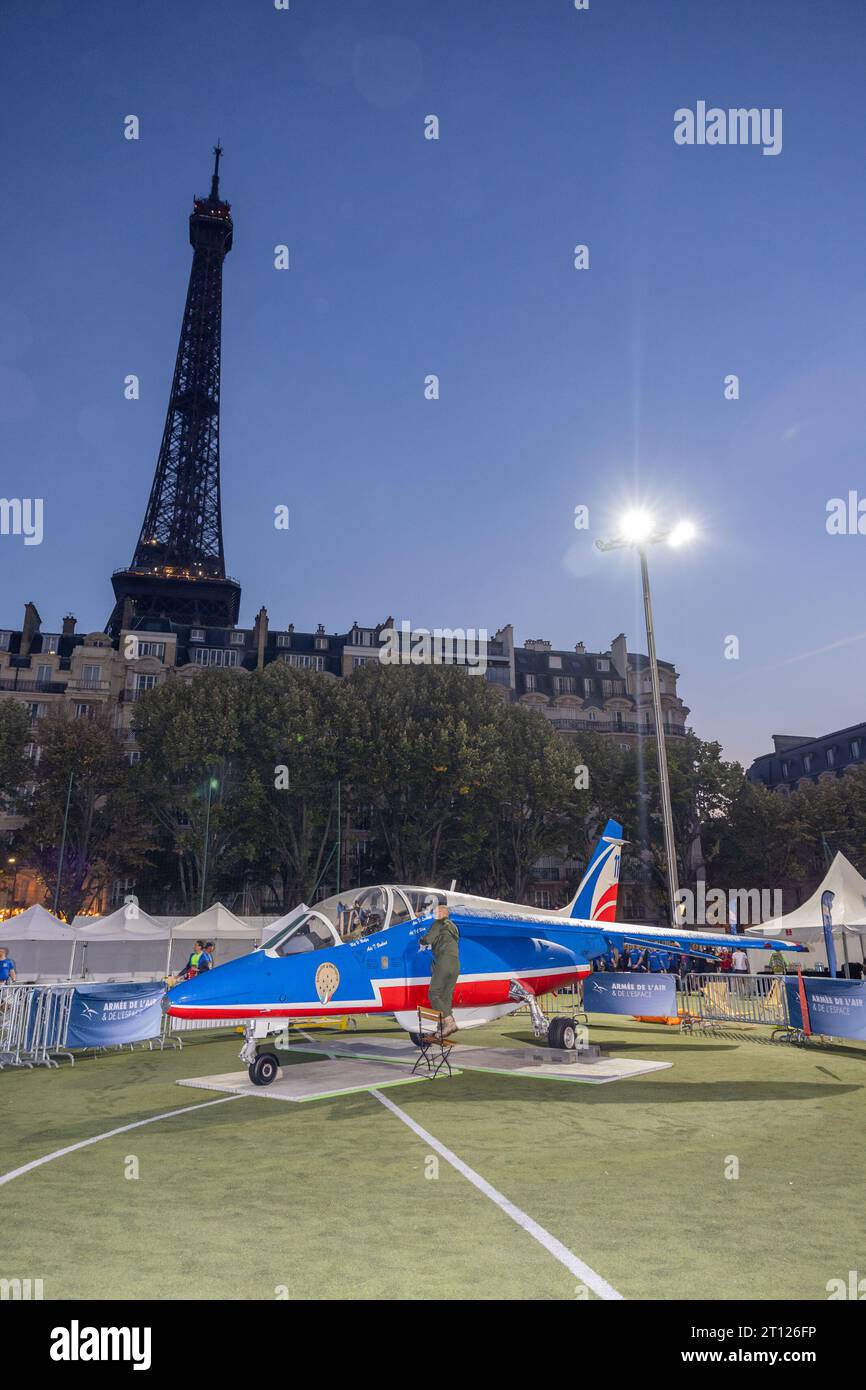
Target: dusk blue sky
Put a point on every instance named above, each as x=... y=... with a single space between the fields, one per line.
x=410 y=257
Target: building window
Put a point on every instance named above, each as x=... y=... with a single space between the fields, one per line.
x=363 y=661
x=592 y=716
x=215 y=656
x=43 y=674
x=32 y=752
x=542 y=897
x=284 y=639
x=499 y=675
x=855 y=748
x=238 y=639
x=91 y=676
x=785 y=770
x=602 y=663
x=563 y=685
x=528 y=682
x=143 y=683
x=308 y=663
x=156 y=649
x=133 y=757
x=807 y=762
x=555 y=663
x=321 y=644
x=197 y=634
x=50 y=643
x=4 y=641
x=83 y=711
x=36 y=710
x=830 y=755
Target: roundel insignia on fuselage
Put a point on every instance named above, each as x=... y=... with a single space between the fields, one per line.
x=327 y=981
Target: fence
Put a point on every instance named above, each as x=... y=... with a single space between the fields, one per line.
x=714 y=999
x=34 y=1021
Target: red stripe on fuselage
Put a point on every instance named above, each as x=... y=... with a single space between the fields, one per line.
x=395 y=998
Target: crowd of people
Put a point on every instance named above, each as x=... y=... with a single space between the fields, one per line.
x=712 y=960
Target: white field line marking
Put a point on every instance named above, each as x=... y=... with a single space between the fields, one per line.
x=109 y=1134
x=553 y=1246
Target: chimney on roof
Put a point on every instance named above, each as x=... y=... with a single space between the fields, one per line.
x=260 y=634
x=69 y=625
x=580 y=648
x=32 y=621
x=619 y=655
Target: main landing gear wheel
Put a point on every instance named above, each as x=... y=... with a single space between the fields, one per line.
x=264 y=1069
x=562 y=1034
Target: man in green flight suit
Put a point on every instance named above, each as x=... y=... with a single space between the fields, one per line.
x=442 y=938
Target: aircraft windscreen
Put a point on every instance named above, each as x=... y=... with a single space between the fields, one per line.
x=312 y=933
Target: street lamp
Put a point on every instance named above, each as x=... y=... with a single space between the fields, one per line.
x=639 y=530
x=213 y=783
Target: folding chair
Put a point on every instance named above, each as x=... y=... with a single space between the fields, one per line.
x=433 y=1048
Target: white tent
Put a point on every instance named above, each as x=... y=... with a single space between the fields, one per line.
x=127 y=941
x=39 y=943
x=232 y=937
x=847 y=911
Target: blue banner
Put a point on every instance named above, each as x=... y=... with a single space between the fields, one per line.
x=827 y=900
x=837 y=1008
x=607 y=992
x=104 y=1015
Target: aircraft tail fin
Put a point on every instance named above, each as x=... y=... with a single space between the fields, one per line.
x=595 y=899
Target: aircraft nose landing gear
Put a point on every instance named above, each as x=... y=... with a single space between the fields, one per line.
x=262 y=1066
x=264 y=1069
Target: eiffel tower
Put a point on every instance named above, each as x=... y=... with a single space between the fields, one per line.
x=178 y=569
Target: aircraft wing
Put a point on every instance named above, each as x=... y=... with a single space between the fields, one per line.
x=685 y=941
x=479 y=923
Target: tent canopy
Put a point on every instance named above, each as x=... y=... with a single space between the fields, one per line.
x=214 y=923
x=36 y=924
x=118 y=926
x=848 y=909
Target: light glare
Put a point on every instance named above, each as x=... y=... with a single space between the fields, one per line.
x=682 y=533
x=636 y=527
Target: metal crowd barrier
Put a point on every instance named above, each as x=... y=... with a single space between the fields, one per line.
x=726 y=998
x=34 y=1021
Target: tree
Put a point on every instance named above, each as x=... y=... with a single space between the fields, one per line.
x=532 y=806
x=431 y=740
x=82 y=762
x=14 y=766
x=194 y=739
x=307 y=749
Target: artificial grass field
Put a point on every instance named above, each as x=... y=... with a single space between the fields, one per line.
x=329 y=1199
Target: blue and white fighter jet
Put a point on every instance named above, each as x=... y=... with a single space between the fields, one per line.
x=363 y=957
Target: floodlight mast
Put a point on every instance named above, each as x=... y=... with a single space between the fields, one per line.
x=637 y=533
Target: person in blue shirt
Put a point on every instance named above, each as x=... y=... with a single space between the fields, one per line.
x=205 y=960
x=7 y=967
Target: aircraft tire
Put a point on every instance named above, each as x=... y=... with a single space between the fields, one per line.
x=562 y=1034
x=264 y=1069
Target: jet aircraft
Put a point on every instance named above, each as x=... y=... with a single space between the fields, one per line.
x=364 y=956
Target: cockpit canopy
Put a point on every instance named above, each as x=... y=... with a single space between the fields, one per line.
x=353 y=915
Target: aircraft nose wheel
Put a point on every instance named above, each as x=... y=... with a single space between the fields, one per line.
x=562 y=1034
x=264 y=1069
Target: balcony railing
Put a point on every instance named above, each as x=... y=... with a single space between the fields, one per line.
x=41 y=687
